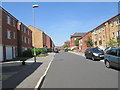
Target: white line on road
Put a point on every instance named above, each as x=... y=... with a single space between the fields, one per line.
x=41 y=78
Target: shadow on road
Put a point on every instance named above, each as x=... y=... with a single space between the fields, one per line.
x=17 y=78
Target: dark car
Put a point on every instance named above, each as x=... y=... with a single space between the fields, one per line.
x=56 y=50
x=66 y=50
x=112 y=58
x=94 y=53
x=106 y=49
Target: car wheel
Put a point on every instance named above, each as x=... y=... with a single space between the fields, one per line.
x=93 y=58
x=107 y=64
x=86 y=57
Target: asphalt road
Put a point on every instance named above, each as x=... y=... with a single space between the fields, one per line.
x=72 y=71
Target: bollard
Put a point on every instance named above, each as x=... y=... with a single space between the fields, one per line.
x=23 y=63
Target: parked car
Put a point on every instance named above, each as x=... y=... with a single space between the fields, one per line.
x=106 y=49
x=56 y=50
x=112 y=58
x=94 y=53
x=65 y=50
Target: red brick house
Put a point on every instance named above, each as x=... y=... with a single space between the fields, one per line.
x=48 y=42
x=82 y=43
x=74 y=37
x=8 y=37
x=24 y=38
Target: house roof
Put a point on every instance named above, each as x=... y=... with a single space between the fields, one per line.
x=78 y=35
x=1 y=8
x=106 y=21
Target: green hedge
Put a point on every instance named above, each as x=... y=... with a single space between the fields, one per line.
x=70 y=49
x=30 y=52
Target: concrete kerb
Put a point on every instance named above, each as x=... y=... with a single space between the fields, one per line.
x=30 y=61
x=43 y=76
x=40 y=72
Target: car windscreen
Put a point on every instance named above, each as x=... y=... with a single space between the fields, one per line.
x=97 y=50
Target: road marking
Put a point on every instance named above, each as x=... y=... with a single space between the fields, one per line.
x=41 y=78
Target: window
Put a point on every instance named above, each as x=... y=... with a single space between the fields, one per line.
x=113 y=34
x=8 y=20
x=112 y=52
x=94 y=31
x=25 y=39
x=14 y=23
x=9 y=34
x=24 y=30
x=28 y=41
x=118 y=33
x=14 y=35
x=100 y=42
x=99 y=30
x=118 y=21
x=112 y=23
x=28 y=32
x=95 y=42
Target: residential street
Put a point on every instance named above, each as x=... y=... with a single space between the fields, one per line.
x=72 y=71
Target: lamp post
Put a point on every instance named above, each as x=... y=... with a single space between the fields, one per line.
x=34 y=6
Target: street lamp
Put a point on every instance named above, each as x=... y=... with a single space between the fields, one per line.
x=34 y=6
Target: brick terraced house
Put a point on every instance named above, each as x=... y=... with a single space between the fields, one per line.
x=24 y=38
x=82 y=42
x=40 y=37
x=108 y=30
x=8 y=37
x=74 y=37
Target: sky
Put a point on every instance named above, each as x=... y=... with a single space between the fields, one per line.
x=61 y=19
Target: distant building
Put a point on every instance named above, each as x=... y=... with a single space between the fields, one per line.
x=74 y=37
x=24 y=38
x=38 y=37
x=82 y=41
x=49 y=43
x=67 y=43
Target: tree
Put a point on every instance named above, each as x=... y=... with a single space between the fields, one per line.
x=66 y=46
x=77 y=41
x=113 y=43
x=89 y=42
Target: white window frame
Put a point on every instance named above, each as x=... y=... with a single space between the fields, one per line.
x=112 y=23
x=117 y=21
x=75 y=38
x=118 y=33
x=113 y=35
x=13 y=22
x=8 y=20
x=8 y=34
x=28 y=32
x=24 y=29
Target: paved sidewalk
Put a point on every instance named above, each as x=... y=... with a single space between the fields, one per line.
x=27 y=76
